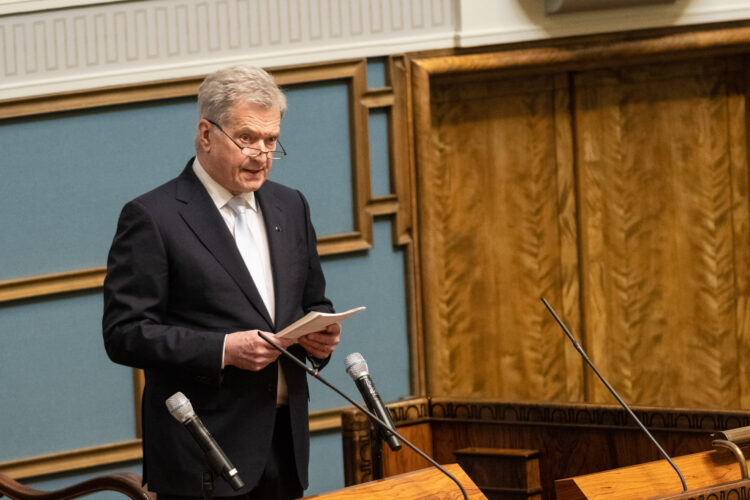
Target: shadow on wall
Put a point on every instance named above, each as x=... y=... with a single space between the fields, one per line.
x=553 y=15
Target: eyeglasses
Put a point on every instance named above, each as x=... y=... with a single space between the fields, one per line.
x=253 y=152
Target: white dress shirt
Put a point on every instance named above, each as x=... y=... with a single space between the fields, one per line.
x=221 y=196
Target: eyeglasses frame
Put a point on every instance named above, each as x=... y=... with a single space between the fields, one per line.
x=257 y=151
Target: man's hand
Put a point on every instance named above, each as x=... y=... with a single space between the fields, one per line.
x=248 y=351
x=321 y=344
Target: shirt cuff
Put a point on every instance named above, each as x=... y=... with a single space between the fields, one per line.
x=223 y=350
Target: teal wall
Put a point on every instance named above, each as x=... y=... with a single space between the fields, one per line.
x=65 y=177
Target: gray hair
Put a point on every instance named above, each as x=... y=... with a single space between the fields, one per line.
x=221 y=89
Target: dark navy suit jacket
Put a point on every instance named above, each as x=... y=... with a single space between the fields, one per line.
x=175 y=285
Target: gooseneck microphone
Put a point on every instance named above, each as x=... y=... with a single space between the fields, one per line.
x=373 y=417
x=356 y=367
x=612 y=390
x=180 y=408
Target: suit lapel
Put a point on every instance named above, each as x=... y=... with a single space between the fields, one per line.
x=200 y=214
x=277 y=228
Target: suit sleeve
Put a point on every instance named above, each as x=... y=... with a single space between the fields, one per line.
x=135 y=322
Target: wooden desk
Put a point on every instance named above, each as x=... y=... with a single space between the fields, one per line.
x=702 y=470
x=425 y=483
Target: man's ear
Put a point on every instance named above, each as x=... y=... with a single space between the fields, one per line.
x=203 y=140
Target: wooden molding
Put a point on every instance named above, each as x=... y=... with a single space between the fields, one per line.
x=107 y=96
x=290 y=75
x=587 y=415
x=343 y=243
x=165 y=89
x=320 y=421
x=139 y=382
x=90 y=279
x=37 y=286
x=598 y=50
x=73 y=460
x=404 y=230
x=383 y=205
x=378 y=98
x=326 y=420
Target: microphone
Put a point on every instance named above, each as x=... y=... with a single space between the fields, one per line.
x=612 y=390
x=356 y=367
x=316 y=375
x=180 y=408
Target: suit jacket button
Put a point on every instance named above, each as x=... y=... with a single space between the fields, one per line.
x=271 y=388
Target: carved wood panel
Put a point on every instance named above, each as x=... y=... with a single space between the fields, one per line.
x=663 y=216
x=497 y=227
x=618 y=192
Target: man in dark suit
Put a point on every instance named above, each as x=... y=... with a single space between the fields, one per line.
x=197 y=267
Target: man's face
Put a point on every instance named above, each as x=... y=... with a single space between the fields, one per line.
x=249 y=125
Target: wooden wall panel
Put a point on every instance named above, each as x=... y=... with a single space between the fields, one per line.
x=658 y=247
x=608 y=174
x=497 y=229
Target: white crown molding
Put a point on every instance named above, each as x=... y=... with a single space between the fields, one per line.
x=188 y=69
x=26 y=6
x=139 y=41
x=86 y=44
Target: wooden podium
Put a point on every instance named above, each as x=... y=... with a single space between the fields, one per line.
x=424 y=483
x=714 y=474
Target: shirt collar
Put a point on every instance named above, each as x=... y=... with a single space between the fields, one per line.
x=218 y=193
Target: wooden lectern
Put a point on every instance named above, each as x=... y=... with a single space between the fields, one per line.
x=424 y=483
x=708 y=474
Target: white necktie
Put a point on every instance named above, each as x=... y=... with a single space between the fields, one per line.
x=251 y=255
x=248 y=248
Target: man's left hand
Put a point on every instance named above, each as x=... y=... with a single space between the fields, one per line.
x=321 y=344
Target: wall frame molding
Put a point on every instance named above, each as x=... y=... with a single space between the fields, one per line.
x=365 y=207
x=110 y=454
x=51 y=284
x=73 y=460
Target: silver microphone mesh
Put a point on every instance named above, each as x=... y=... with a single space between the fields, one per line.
x=179 y=407
x=356 y=366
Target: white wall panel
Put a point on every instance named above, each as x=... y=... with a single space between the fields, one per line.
x=49 y=46
x=139 y=41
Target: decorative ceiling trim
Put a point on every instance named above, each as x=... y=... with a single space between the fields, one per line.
x=121 y=43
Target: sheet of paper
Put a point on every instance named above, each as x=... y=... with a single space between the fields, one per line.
x=315 y=321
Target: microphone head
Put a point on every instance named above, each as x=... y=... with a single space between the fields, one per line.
x=356 y=366
x=179 y=407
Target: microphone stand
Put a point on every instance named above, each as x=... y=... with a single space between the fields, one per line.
x=376 y=446
x=315 y=374
x=612 y=390
x=207 y=485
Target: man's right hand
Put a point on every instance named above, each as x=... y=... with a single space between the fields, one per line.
x=248 y=351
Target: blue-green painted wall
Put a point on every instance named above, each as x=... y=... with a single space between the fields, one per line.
x=65 y=177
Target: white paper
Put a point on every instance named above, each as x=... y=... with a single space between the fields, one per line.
x=315 y=321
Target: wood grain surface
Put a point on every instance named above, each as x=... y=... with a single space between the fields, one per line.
x=497 y=233
x=620 y=194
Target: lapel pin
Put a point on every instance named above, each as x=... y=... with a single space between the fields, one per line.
x=276 y=228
